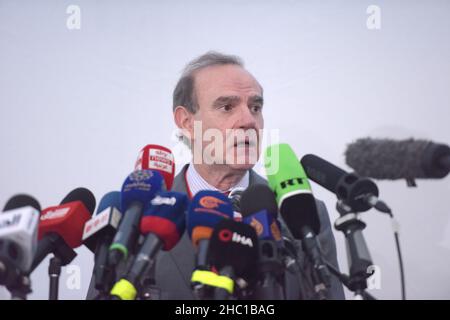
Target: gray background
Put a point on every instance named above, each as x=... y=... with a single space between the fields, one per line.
x=76 y=106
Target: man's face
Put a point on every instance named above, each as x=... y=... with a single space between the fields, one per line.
x=230 y=100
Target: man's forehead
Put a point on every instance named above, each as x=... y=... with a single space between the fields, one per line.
x=227 y=80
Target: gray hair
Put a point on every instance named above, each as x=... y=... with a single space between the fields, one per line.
x=184 y=93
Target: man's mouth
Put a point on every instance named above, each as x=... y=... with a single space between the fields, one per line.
x=245 y=143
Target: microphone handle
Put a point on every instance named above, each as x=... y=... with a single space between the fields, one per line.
x=220 y=293
x=127 y=234
x=144 y=259
x=52 y=243
x=357 y=251
x=321 y=275
x=202 y=255
x=103 y=274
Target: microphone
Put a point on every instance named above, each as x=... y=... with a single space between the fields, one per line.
x=235 y=199
x=206 y=209
x=360 y=194
x=18 y=238
x=139 y=188
x=159 y=158
x=298 y=207
x=61 y=227
x=259 y=209
x=233 y=252
x=163 y=224
x=98 y=234
x=398 y=159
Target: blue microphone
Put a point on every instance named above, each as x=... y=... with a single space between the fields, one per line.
x=162 y=224
x=97 y=236
x=139 y=188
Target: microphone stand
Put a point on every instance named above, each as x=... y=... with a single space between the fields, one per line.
x=357 y=251
x=54 y=272
x=345 y=280
x=270 y=273
x=320 y=272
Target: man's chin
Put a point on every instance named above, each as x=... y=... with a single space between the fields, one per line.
x=241 y=167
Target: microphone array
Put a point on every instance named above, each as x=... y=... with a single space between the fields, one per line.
x=245 y=244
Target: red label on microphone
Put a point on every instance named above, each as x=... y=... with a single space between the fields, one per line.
x=159 y=158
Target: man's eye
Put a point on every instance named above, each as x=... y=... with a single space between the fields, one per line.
x=227 y=107
x=256 y=108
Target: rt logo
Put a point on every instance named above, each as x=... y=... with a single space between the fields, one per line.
x=291 y=182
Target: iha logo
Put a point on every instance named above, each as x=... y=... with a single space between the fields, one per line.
x=55 y=214
x=210 y=202
x=226 y=235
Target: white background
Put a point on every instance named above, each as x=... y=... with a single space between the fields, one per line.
x=76 y=106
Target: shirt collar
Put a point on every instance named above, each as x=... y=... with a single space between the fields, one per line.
x=196 y=182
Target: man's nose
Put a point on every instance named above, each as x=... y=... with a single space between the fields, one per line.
x=246 y=119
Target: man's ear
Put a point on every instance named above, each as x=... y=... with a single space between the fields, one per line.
x=184 y=120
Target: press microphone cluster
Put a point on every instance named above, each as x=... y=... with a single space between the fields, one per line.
x=245 y=258
x=245 y=244
x=150 y=220
x=28 y=235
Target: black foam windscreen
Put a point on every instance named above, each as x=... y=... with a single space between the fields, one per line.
x=322 y=172
x=256 y=198
x=397 y=159
x=234 y=244
x=81 y=194
x=299 y=211
x=21 y=200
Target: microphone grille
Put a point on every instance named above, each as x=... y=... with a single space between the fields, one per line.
x=21 y=200
x=81 y=194
x=386 y=158
x=256 y=198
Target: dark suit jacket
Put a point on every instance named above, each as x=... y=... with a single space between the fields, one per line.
x=174 y=268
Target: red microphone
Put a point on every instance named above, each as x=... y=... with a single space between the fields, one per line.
x=67 y=220
x=61 y=227
x=158 y=158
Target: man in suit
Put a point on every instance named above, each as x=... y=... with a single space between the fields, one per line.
x=216 y=96
x=216 y=92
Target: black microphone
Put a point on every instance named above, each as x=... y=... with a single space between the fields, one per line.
x=359 y=193
x=398 y=159
x=259 y=210
x=233 y=253
x=356 y=194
